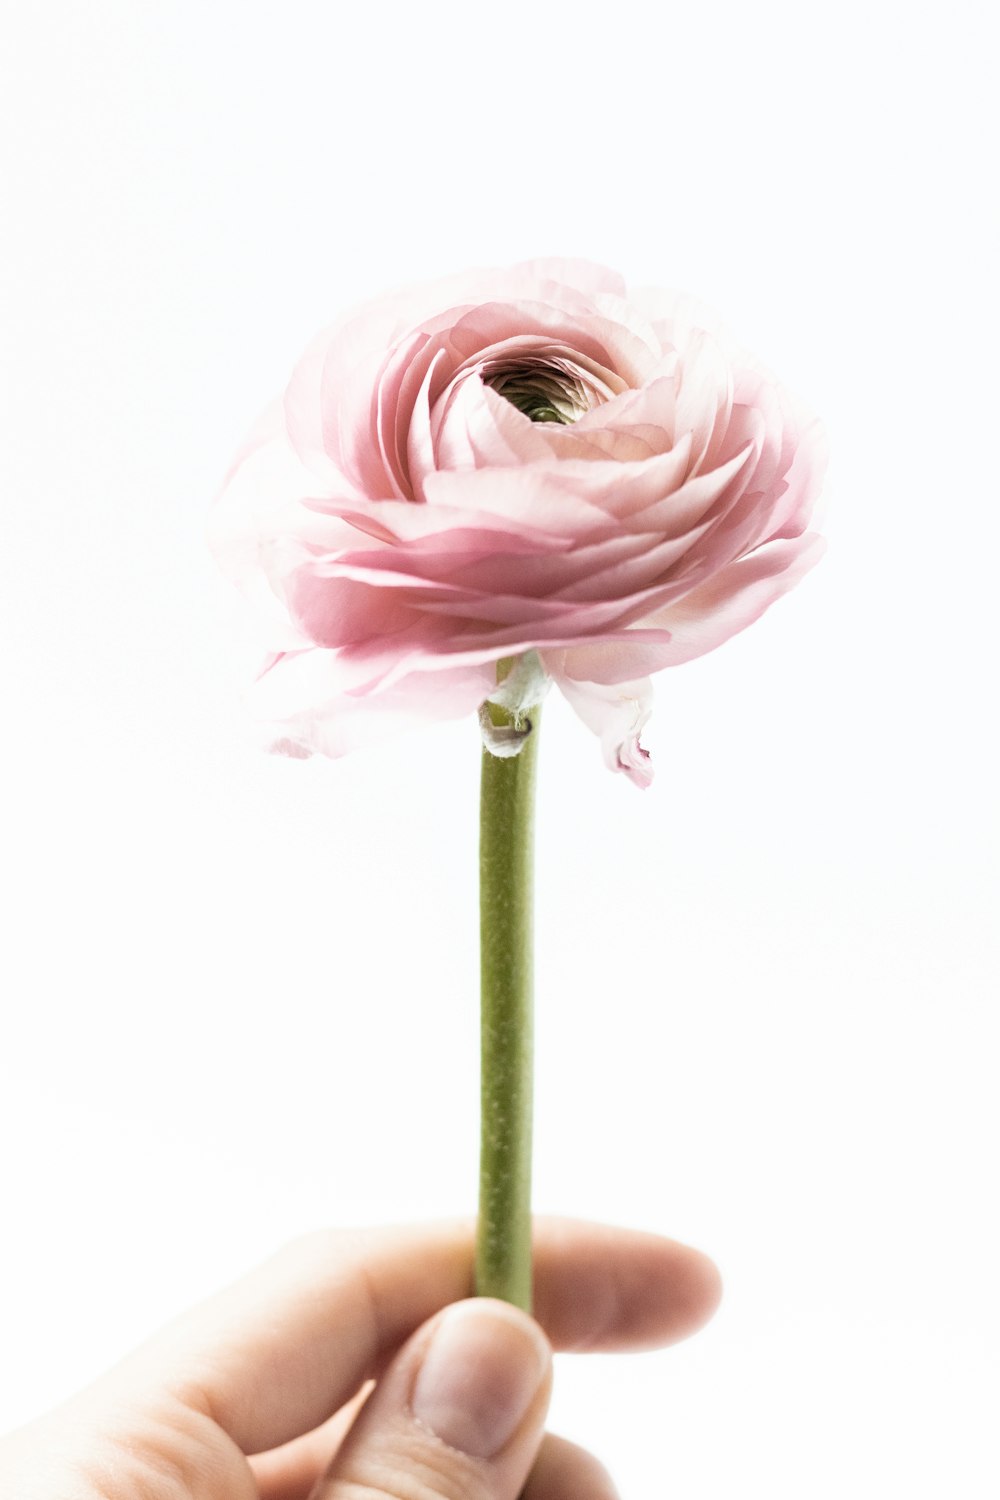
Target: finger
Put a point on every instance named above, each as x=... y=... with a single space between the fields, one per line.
x=458 y=1415
x=604 y=1289
x=290 y=1472
x=277 y=1354
x=563 y=1471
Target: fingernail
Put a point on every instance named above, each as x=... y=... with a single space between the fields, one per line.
x=481 y=1372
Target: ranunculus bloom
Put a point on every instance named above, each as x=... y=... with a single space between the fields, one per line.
x=512 y=461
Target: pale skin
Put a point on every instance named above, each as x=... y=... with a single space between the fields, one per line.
x=340 y=1370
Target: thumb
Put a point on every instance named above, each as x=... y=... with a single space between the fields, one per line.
x=457 y=1415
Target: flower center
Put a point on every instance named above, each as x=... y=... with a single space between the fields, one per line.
x=544 y=390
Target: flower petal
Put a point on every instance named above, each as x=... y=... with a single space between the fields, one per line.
x=305 y=703
x=735 y=597
x=616 y=715
x=583 y=275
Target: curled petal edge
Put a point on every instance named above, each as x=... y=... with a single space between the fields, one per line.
x=617 y=714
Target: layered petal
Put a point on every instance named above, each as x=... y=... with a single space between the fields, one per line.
x=734 y=598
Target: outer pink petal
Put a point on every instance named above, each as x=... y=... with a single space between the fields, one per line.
x=803 y=480
x=633 y=653
x=677 y=317
x=330 y=366
x=306 y=702
x=619 y=309
x=704 y=393
x=584 y=275
x=734 y=598
x=617 y=715
x=258 y=520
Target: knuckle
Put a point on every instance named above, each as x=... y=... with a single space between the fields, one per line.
x=171 y=1453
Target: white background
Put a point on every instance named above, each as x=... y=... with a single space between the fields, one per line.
x=240 y=993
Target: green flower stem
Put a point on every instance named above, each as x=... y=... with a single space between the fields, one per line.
x=506 y=839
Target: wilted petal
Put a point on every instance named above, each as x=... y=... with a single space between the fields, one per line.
x=616 y=715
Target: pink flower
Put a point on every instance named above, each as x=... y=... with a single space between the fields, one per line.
x=512 y=462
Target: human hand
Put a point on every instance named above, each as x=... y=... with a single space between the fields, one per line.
x=265 y=1392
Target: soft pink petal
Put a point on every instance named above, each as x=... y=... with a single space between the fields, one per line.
x=401 y=521
x=735 y=597
x=334 y=366
x=397 y=386
x=523 y=496
x=303 y=706
x=500 y=327
x=704 y=393
x=388 y=661
x=617 y=716
x=579 y=497
x=344 y=612
x=499 y=435
x=505 y=616
x=258 y=520
x=583 y=275
x=803 y=482
x=419 y=441
x=634 y=652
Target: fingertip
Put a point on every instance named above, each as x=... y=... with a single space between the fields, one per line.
x=704 y=1289
x=605 y=1288
x=677 y=1290
x=564 y=1471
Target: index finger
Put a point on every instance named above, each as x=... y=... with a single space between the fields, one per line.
x=275 y=1355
